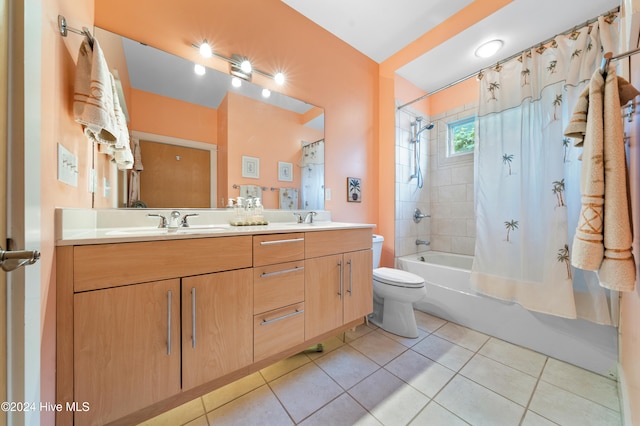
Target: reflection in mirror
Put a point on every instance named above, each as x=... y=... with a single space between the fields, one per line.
x=209 y=126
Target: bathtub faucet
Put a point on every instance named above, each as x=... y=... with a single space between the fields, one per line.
x=423 y=242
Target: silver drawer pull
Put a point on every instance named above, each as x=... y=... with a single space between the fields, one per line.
x=284 y=271
x=270 y=243
x=292 y=314
x=193 y=317
x=169 y=322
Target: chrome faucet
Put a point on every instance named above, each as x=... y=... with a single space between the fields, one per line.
x=184 y=223
x=173 y=220
x=163 y=219
x=423 y=242
x=302 y=217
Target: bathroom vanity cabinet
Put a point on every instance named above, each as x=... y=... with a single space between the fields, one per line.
x=145 y=326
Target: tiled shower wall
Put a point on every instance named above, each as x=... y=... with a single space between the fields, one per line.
x=447 y=193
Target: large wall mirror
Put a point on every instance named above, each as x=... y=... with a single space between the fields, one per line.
x=203 y=141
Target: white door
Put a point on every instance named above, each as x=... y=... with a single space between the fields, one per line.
x=20 y=207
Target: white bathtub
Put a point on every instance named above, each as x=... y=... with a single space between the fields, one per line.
x=450 y=296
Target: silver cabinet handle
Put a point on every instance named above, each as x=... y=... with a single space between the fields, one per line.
x=292 y=314
x=270 y=243
x=193 y=317
x=350 y=277
x=341 y=281
x=169 y=322
x=284 y=271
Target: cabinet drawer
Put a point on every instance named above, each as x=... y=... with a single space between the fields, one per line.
x=277 y=330
x=277 y=248
x=277 y=285
x=111 y=265
x=325 y=243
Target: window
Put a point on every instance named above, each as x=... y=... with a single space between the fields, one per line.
x=462 y=136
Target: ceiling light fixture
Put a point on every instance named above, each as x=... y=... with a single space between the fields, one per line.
x=239 y=66
x=205 y=49
x=488 y=49
x=266 y=93
x=236 y=82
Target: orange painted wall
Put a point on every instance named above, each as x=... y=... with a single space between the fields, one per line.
x=461 y=94
x=160 y=115
x=320 y=69
x=257 y=137
x=58 y=56
x=405 y=92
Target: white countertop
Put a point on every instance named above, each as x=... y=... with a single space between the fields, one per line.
x=84 y=227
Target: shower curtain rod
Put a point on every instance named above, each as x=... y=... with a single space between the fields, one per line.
x=549 y=40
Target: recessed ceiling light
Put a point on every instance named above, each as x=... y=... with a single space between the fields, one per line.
x=489 y=48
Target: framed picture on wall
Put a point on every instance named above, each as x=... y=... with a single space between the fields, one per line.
x=250 y=167
x=354 y=189
x=285 y=171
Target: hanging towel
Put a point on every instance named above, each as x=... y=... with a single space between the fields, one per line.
x=93 y=95
x=250 y=191
x=617 y=271
x=603 y=236
x=288 y=198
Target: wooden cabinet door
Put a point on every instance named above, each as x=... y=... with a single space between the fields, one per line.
x=324 y=291
x=126 y=351
x=217 y=325
x=358 y=279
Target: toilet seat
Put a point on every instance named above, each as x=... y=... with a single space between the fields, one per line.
x=397 y=278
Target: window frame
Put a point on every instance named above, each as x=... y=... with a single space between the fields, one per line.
x=451 y=128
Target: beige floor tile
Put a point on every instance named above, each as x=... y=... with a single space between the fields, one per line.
x=405 y=341
x=435 y=415
x=378 y=347
x=443 y=352
x=514 y=356
x=506 y=381
x=424 y=374
x=569 y=409
x=179 y=415
x=200 y=421
x=533 y=419
x=462 y=336
x=359 y=331
x=259 y=407
x=427 y=322
x=285 y=366
x=305 y=390
x=389 y=399
x=342 y=411
x=347 y=366
x=591 y=386
x=477 y=404
x=328 y=345
x=228 y=393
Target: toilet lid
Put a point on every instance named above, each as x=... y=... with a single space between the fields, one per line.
x=397 y=277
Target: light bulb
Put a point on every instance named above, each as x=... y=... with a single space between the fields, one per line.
x=236 y=82
x=266 y=93
x=199 y=69
x=245 y=66
x=279 y=78
x=205 y=49
x=489 y=48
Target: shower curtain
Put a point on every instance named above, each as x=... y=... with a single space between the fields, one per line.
x=527 y=178
x=312 y=170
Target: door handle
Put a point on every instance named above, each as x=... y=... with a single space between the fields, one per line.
x=13 y=259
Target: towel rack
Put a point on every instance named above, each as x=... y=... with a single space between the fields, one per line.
x=64 y=30
x=608 y=57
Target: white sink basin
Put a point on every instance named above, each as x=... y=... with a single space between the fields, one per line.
x=193 y=229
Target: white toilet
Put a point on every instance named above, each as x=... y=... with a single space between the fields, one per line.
x=394 y=292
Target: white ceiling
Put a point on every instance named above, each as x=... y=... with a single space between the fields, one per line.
x=380 y=28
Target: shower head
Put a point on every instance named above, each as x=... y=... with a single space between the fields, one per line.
x=422 y=129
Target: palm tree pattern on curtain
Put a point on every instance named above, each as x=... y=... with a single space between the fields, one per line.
x=534 y=197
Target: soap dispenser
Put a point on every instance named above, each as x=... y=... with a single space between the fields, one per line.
x=258 y=212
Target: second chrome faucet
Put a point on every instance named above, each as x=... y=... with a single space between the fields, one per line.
x=175 y=221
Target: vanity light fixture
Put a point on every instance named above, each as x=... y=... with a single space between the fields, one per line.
x=239 y=66
x=199 y=69
x=488 y=49
x=266 y=93
x=236 y=82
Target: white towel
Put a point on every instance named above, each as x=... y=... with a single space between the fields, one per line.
x=93 y=95
x=288 y=198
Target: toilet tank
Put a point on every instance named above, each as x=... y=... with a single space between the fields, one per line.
x=377 y=250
